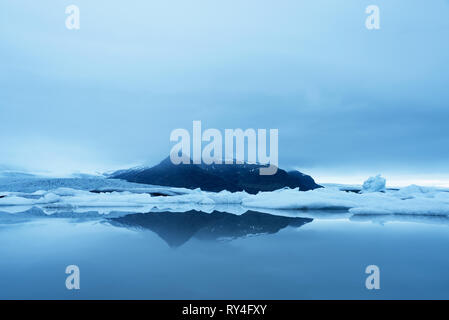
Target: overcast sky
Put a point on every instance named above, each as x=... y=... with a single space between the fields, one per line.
x=348 y=102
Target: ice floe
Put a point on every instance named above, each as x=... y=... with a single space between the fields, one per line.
x=373 y=198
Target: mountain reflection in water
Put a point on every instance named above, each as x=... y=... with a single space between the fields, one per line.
x=176 y=228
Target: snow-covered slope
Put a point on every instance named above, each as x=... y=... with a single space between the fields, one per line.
x=26 y=184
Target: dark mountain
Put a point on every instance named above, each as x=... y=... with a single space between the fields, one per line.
x=176 y=228
x=217 y=177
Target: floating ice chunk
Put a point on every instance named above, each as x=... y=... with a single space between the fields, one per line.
x=226 y=197
x=412 y=200
x=15 y=201
x=207 y=201
x=67 y=192
x=374 y=184
x=418 y=206
x=39 y=193
x=48 y=198
x=416 y=191
x=323 y=198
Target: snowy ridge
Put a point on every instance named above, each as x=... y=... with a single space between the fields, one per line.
x=135 y=169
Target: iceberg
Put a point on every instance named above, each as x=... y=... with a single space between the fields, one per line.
x=374 y=184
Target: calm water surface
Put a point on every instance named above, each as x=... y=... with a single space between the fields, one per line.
x=224 y=257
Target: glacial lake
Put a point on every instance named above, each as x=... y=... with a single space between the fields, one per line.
x=320 y=255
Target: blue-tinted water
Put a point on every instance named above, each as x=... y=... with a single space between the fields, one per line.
x=323 y=258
